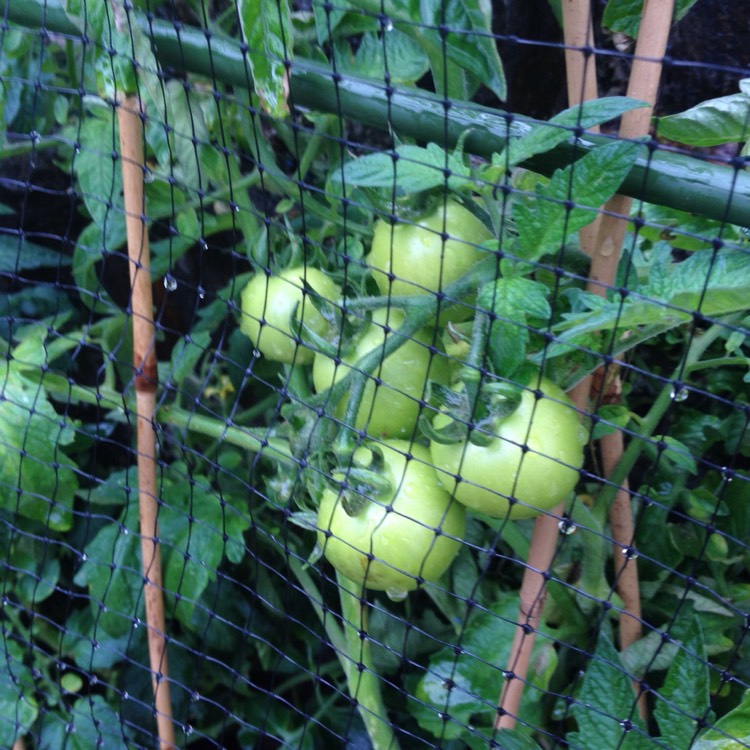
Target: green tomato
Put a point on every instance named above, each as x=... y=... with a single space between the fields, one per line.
x=399 y=537
x=538 y=479
x=390 y=409
x=267 y=306
x=421 y=263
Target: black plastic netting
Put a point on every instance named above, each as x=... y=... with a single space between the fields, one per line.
x=363 y=389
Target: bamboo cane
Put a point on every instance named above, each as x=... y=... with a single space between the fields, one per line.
x=643 y=84
x=129 y=114
x=582 y=86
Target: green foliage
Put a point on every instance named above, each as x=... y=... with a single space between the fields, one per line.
x=605 y=709
x=232 y=188
x=37 y=480
x=625 y=15
x=460 y=690
x=569 y=201
x=711 y=123
x=267 y=31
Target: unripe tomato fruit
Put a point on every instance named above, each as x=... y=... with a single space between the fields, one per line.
x=391 y=409
x=267 y=306
x=416 y=255
x=399 y=537
x=538 y=478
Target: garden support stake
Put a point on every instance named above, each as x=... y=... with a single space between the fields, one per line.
x=582 y=86
x=129 y=114
x=643 y=84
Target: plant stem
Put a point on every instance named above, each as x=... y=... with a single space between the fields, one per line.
x=416 y=320
x=363 y=680
x=333 y=631
x=659 y=408
x=276 y=449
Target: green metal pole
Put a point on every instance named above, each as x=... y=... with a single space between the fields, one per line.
x=682 y=182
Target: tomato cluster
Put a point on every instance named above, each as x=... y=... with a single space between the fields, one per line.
x=403 y=525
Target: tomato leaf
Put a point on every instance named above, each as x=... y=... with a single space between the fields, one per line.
x=411 y=169
x=468 y=45
x=17 y=692
x=99 y=175
x=512 y=301
x=625 y=15
x=37 y=480
x=714 y=284
x=326 y=19
x=111 y=573
x=571 y=199
x=90 y=722
x=606 y=699
x=710 y=123
x=88 y=17
x=731 y=732
x=559 y=128
x=267 y=31
x=393 y=52
x=684 y=697
x=464 y=687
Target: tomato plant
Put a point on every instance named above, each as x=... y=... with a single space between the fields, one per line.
x=268 y=304
x=414 y=258
x=391 y=539
x=391 y=408
x=528 y=463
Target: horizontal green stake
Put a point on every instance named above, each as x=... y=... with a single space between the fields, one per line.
x=687 y=183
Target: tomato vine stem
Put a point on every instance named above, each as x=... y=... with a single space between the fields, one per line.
x=363 y=680
x=663 y=401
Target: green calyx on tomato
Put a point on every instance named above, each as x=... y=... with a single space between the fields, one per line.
x=392 y=534
x=414 y=258
x=394 y=392
x=524 y=463
x=275 y=308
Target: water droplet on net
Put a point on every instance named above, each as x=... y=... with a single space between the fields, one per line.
x=630 y=553
x=170 y=283
x=679 y=394
x=566 y=527
x=389 y=25
x=396 y=595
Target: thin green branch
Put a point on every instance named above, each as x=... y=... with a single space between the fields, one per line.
x=650 y=421
x=364 y=682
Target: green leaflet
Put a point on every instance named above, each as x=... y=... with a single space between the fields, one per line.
x=571 y=199
x=475 y=677
x=267 y=31
x=37 y=480
x=685 y=693
x=91 y=722
x=710 y=123
x=605 y=700
x=413 y=170
x=18 y=704
x=714 y=284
